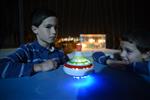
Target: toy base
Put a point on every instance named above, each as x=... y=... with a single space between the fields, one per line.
x=77 y=72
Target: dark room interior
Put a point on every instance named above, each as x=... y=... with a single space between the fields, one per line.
x=110 y=17
x=88 y=50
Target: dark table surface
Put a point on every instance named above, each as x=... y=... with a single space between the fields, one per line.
x=116 y=84
x=56 y=85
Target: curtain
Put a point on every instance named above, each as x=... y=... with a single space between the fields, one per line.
x=110 y=17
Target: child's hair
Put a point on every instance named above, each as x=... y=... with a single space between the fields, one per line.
x=141 y=39
x=40 y=14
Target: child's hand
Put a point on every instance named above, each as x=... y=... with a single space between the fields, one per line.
x=117 y=64
x=45 y=66
x=111 y=62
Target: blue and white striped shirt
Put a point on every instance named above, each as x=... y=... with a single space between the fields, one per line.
x=140 y=68
x=21 y=62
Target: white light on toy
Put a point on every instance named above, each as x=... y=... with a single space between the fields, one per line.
x=78 y=65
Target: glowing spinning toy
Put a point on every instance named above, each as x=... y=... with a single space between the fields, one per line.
x=79 y=65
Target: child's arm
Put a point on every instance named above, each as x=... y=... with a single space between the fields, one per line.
x=117 y=64
x=45 y=66
x=16 y=64
x=22 y=63
x=142 y=68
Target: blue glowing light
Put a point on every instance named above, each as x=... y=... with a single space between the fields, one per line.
x=80 y=77
x=84 y=81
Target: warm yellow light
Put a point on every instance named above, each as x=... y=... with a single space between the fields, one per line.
x=101 y=40
x=84 y=45
x=91 y=40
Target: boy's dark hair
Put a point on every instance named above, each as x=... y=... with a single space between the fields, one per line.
x=141 y=39
x=39 y=15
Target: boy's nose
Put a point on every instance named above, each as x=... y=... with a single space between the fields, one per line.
x=123 y=54
x=53 y=30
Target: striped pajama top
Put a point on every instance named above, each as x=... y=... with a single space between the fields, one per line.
x=21 y=62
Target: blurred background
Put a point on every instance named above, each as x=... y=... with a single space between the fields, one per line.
x=76 y=17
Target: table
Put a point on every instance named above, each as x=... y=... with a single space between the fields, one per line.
x=42 y=86
x=116 y=84
x=54 y=85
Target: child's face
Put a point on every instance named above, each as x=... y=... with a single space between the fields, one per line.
x=46 y=31
x=129 y=52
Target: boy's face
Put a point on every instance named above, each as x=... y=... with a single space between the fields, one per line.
x=129 y=52
x=46 y=31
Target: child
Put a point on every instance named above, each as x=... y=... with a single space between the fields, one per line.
x=40 y=55
x=120 y=82
x=134 y=56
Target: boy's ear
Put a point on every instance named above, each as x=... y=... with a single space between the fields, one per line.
x=34 y=29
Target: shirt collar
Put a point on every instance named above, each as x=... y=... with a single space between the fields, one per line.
x=41 y=48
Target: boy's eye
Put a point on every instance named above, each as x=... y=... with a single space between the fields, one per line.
x=128 y=51
x=48 y=26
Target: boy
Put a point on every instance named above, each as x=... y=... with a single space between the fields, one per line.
x=118 y=81
x=40 y=55
x=134 y=56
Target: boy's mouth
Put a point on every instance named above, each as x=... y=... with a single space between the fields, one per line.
x=126 y=61
x=52 y=37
